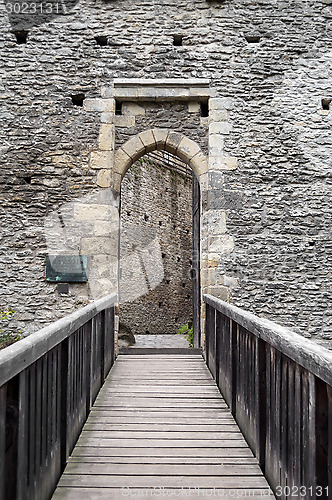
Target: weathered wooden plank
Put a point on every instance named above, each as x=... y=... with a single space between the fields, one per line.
x=155 y=358
x=98 y=425
x=161 y=443
x=223 y=459
x=221 y=469
x=156 y=355
x=32 y=424
x=161 y=379
x=152 y=389
x=165 y=397
x=291 y=424
x=298 y=428
x=309 y=421
x=132 y=417
x=152 y=366
x=322 y=435
x=173 y=412
x=162 y=481
x=146 y=403
x=200 y=395
x=179 y=435
x=277 y=419
x=172 y=373
x=146 y=382
x=63 y=493
x=168 y=398
x=284 y=424
x=183 y=452
x=192 y=368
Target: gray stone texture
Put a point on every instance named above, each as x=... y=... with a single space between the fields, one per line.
x=278 y=200
x=156 y=213
x=166 y=115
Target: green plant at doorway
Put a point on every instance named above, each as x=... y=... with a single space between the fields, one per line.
x=188 y=333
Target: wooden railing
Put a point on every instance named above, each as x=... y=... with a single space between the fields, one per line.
x=278 y=387
x=48 y=382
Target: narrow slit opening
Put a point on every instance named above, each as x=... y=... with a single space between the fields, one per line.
x=21 y=36
x=78 y=99
x=253 y=38
x=101 y=40
x=118 y=107
x=326 y=104
x=178 y=40
x=204 y=109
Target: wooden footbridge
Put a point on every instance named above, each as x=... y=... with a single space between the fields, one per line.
x=249 y=417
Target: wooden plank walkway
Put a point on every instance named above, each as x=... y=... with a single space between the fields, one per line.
x=160 y=428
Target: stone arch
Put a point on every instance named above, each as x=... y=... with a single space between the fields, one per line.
x=189 y=152
x=160 y=139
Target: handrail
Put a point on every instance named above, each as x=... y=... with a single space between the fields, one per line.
x=48 y=383
x=20 y=355
x=278 y=386
x=314 y=358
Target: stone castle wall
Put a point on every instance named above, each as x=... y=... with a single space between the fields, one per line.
x=266 y=203
x=156 y=216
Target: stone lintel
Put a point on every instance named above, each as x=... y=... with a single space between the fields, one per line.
x=168 y=89
x=161 y=82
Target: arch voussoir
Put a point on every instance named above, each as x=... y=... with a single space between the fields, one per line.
x=172 y=142
x=148 y=140
x=122 y=161
x=134 y=148
x=160 y=139
x=187 y=149
x=199 y=164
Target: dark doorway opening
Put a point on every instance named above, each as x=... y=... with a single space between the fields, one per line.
x=159 y=248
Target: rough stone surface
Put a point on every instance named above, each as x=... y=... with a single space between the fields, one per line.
x=156 y=216
x=277 y=245
x=161 y=341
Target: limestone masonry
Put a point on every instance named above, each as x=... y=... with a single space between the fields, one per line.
x=239 y=90
x=156 y=218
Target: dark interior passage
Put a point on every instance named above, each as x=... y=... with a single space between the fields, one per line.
x=156 y=245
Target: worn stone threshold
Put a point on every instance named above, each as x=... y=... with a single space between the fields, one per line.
x=160 y=350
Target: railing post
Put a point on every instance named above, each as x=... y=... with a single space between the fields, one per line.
x=322 y=437
x=329 y=420
x=11 y=438
x=210 y=337
x=207 y=331
x=234 y=332
x=102 y=346
x=112 y=319
x=261 y=401
x=88 y=383
x=22 y=462
x=3 y=397
x=218 y=340
x=64 y=402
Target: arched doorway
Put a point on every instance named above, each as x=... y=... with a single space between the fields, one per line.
x=168 y=147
